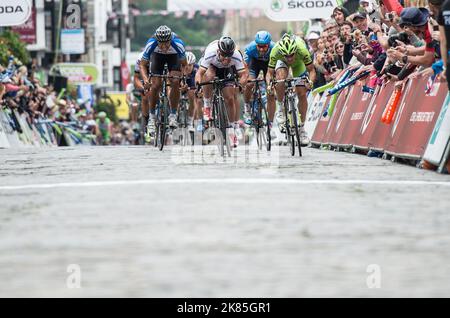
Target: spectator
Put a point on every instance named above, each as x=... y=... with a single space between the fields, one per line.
x=416 y=21
x=339 y=15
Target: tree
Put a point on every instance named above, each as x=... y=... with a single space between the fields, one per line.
x=10 y=44
x=195 y=32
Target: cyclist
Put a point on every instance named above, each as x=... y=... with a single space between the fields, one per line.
x=104 y=131
x=141 y=97
x=219 y=60
x=291 y=52
x=257 y=55
x=195 y=110
x=165 y=47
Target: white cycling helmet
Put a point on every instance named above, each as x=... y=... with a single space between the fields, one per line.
x=190 y=58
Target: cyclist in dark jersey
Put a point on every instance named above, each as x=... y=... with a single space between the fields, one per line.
x=195 y=106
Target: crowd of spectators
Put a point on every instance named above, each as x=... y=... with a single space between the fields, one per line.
x=383 y=36
x=21 y=90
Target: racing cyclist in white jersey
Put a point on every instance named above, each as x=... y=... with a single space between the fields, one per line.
x=220 y=60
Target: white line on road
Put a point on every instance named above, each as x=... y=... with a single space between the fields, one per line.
x=224 y=181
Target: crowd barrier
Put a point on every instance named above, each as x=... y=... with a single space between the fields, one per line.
x=17 y=132
x=419 y=127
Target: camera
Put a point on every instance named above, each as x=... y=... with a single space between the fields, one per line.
x=389 y=16
x=402 y=37
x=435 y=27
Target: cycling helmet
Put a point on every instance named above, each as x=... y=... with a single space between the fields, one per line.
x=190 y=58
x=263 y=38
x=227 y=46
x=102 y=115
x=288 y=45
x=163 y=34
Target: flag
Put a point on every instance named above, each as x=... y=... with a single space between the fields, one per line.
x=191 y=14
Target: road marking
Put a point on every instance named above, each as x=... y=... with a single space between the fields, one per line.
x=224 y=181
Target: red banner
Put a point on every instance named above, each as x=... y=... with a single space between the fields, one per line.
x=416 y=118
x=125 y=74
x=371 y=118
x=356 y=120
x=379 y=132
x=330 y=136
x=27 y=31
x=322 y=125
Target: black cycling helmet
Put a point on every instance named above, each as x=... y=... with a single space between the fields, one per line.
x=163 y=34
x=227 y=46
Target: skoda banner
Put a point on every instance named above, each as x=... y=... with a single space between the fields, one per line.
x=299 y=10
x=14 y=12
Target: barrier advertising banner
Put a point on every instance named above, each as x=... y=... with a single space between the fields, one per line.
x=440 y=136
x=315 y=109
x=416 y=119
x=380 y=132
x=322 y=123
x=7 y=121
x=370 y=121
x=336 y=118
x=4 y=143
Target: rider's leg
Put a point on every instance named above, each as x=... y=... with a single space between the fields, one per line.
x=281 y=74
x=192 y=107
x=153 y=95
x=302 y=102
x=174 y=95
x=303 y=109
x=271 y=106
x=229 y=97
x=209 y=75
x=207 y=89
x=248 y=92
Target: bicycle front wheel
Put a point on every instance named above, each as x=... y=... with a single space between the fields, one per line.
x=297 y=131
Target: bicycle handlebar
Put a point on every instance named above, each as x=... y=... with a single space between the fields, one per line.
x=217 y=81
x=166 y=76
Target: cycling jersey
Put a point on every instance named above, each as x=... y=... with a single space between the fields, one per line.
x=176 y=48
x=302 y=58
x=190 y=81
x=104 y=128
x=211 y=58
x=251 y=52
x=137 y=68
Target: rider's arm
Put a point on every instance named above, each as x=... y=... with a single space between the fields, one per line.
x=243 y=76
x=312 y=72
x=198 y=77
x=269 y=75
x=184 y=66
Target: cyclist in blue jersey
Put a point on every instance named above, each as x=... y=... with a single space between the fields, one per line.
x=257 y=56
x=164 y=47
